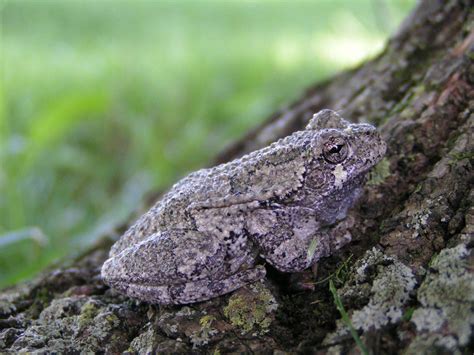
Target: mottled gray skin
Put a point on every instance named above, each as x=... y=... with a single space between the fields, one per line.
x=284 y=203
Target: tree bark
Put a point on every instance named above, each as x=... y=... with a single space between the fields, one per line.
x=405 y=283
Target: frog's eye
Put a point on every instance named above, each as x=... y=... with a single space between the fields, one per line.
x=335 y=150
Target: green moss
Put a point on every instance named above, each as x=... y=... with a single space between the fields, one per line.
x=462 y=155
x=206 y=321
x=43 y=295
x=88 y=312
x=41 y=299
x=205 y=334
x=251 y=311
x=380 y=172
x=112 y=319
x=240 y=314
x=404 y=107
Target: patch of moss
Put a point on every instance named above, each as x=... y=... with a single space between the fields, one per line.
x=207 y=320
x=88 y=312
x=253 y=310
x=204 y=335
x=42 y=298
x=379 y=173
x=403 y=107
x=112 y=319
x=462 y=155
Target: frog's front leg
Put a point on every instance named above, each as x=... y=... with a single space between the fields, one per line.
x=179 y=266
x=290 y=238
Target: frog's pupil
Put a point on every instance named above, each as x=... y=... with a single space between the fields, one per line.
x=336 y=148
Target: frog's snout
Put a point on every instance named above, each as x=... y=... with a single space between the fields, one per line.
x=370 y=145
x=107 y=271
x=114 y=272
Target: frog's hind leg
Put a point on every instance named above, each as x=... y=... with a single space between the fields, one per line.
x=195 y=291
x=182 y=266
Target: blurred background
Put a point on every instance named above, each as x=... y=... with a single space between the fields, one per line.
x=102 y=102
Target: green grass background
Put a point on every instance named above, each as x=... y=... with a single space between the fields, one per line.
x=104 y=101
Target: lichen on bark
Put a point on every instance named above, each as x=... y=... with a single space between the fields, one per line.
x=417 y=212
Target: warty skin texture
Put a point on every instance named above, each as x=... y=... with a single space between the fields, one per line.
x=285 y=203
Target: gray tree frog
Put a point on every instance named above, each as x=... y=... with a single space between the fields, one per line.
x=283 y=203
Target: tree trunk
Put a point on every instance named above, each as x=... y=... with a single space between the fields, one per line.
x=405 y=283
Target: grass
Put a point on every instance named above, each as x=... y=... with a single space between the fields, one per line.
x=104 y=101
x=346 y=319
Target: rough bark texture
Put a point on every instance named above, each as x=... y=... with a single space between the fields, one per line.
x=406 y=284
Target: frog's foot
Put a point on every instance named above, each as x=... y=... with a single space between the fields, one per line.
x=189 y=292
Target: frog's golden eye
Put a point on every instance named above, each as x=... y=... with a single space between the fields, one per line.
x=335 y=150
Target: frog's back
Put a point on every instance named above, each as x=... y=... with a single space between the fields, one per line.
x=238 y=177
x=223 y=180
